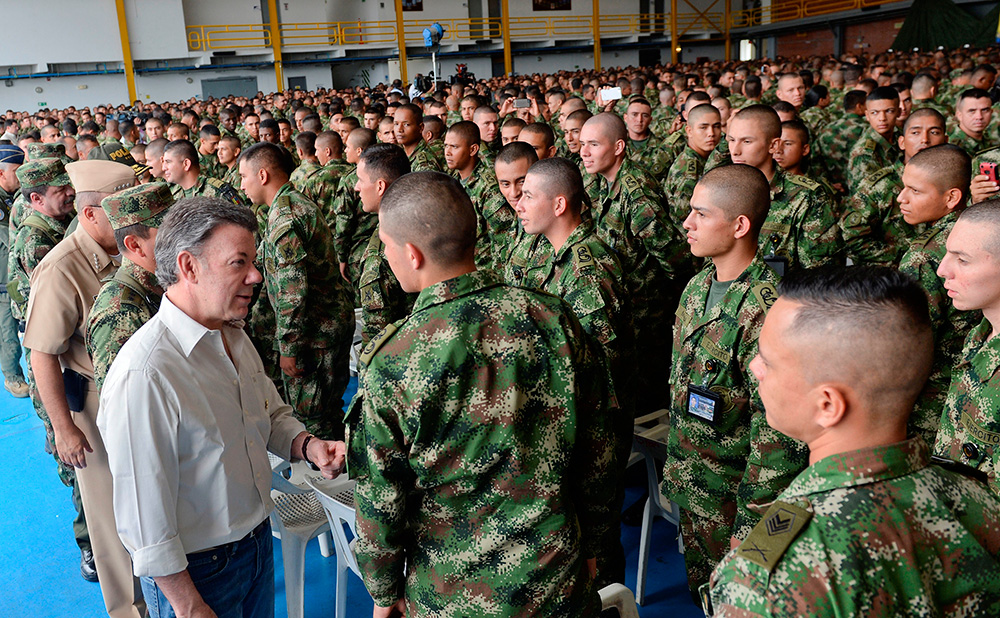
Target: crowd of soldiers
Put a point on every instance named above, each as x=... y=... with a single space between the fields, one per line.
x=796 y=259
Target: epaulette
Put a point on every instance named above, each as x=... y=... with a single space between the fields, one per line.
x=922 y=240
x=880 y=174
x=768 y=541
x=960 y=468
x=870 y=144
x=582 y=257
x=765 y=293
x=675 y=137
x=631 y=183
x=803 y=181
x=376 y=342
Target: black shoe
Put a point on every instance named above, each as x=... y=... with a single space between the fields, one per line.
x=87 y=568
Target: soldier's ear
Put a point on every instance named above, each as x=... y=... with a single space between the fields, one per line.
x=830 y=405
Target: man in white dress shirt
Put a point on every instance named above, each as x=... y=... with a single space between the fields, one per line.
x=188 y=415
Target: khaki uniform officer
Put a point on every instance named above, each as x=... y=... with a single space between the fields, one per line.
x=63 y=289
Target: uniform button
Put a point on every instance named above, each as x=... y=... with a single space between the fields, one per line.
x=970 y=450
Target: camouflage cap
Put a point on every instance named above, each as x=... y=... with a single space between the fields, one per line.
x=114 y=151
x=38 y=150
x=43 y=173
x=146 y=204
x=100 y=176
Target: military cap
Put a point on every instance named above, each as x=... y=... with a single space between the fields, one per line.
x=38 y=150
x=114 y=151
x=43 y=173
x=146 y=204
x=100 y=176
x=9 y=153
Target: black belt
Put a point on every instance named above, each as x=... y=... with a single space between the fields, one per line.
x=261 y=527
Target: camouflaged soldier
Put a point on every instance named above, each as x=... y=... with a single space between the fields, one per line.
x=512 y=249
x=352 y=227
x=318 y=177
x=704 y=132
x=802 y=227
x=132 y=296
x=577 y=266
x=645 y=148
x=872 y=227
x=383 y=301
x=180 y=169
x=835 y=141
x=11 y=157
x=935 y=189
x=851 y=535
x=546 y=501
x=877 y=147
x=312 y=303
x=720 y=454
x=20 y=208
x=629 y=215
x=208 y=143
x=408 y=125
x=461 y=152
x=973 y=111
x=970 y=426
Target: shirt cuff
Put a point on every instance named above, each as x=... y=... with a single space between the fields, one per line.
x=162 y=559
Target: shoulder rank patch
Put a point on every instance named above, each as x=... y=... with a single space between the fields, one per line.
x=376 y=343
x=582 y=257
x=765 y=293
x=768 y=541
x=803 y=181
x=870 y=144
x=880 y=174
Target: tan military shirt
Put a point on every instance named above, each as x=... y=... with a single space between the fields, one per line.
x=63 y=288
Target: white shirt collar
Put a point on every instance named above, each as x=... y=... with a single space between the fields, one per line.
x=186 y=329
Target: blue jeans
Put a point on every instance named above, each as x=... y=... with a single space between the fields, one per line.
x=236 y=580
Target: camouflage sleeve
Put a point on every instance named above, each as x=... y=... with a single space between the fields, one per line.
x=862 y=218
x=678 y=198
x=918 y=265
x=107 y=332
x=860 y=164
x=651 y=224
x=287 y=288
x=342 y=217
x=819 y=241
x=381 y=495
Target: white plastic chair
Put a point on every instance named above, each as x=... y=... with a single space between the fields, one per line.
x=296 y=519
x=337 y=498
x=650 y=443
x=619 y=597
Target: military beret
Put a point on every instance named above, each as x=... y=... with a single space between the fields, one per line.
x=114 y=151
x=9 y=153
x=100 y=176
x=43 y=173
x=146 y=204
x=38 y=150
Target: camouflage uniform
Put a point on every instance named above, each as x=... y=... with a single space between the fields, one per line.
x=672 y=146
x=872 y=227
x=208 y=187
x=422 y=159
x=972 y=146
x=679 y=184
x=383 y=300
x=436 y=147
x=650 y=155
x=483 y=190
x=10 y=345
x=209 y=166
x=872 y=532
x=320 y=183
x=662 y=120
x=802 y=225
x=815 y=118
x=870 y=154
x=716 y=467
x=950 y=325
x=834 y=143
x=931 y=104
x=313 y=309
x=586 y=273
x=231 y=177
x=495 y=457
x=352 y=227
x=629 y=216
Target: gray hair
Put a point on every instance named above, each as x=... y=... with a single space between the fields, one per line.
x=188 y=226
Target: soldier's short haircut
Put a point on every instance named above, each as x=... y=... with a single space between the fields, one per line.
x=432 y=211
x=640 y=101
x=411 y=108
x=515 y=122
x=313 y=123
x=705 y=109
x=852 y=73
x=787 y=76
x=516 y=151
x=306 y=142
x=189 y=226
x=972 y=93
x=482 y=110
x=87 y=138
x=739 y=189
x=124 y=127
x=798 y=127
x=850 y=320
x=271 y=124
x=853 y=99
x=473 y=98
x=561 y=177
x=610 y=125
x=949 y=167
x=540 y=128
x=140 y=230
x=764 y=117
x=467 y=131
x=350 y=121
x=752 y=87
x=180 y=126
x=434 y=124
x=233 y=141
x=386 y=162
x=210 y=130
x=580 y=115
x=272 y=157
x=883 y=93
x=783 y=107
x=986 y=212
x=697 y=98
x=924 y=112
x=985 y=68
x=361 y=138
x=922 y=84
x=286 y=121
x=182 y=149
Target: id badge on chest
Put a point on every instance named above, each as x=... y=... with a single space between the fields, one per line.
x=703 y=403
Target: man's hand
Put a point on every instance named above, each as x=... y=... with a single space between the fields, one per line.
x=289 y=367
x=507 y=107
x=72 y=446
x=328 y=455
x=343 y=271
x=983 y=188
x=396 y=609
x=677 y=123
